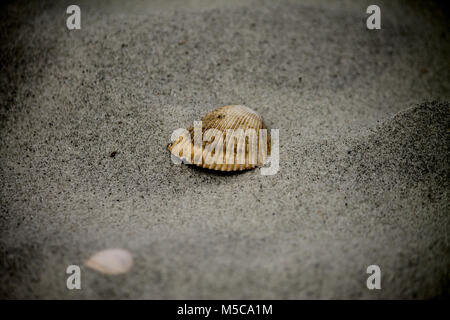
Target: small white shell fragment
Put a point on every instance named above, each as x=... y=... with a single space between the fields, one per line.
x=110 y=261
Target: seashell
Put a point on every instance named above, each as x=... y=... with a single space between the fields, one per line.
x=110 y=261
x=230 y=138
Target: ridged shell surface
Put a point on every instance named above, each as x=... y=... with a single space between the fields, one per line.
x=232 y=138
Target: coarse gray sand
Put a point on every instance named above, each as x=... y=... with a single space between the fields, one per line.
x=364 y=148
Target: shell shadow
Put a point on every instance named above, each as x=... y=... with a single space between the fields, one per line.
x=216 y=172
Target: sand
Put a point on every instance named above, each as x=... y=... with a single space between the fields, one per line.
x=364 y=147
